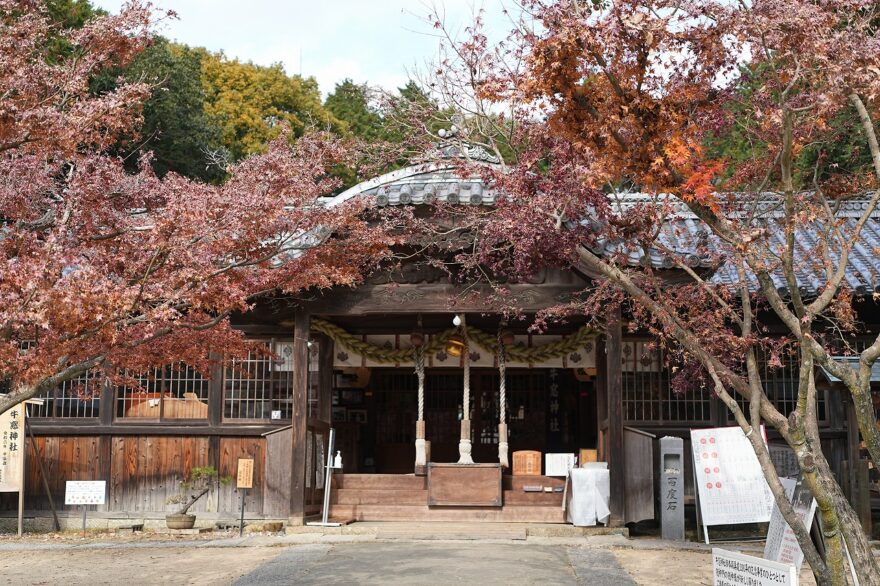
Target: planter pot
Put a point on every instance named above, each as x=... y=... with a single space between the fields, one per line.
x=178 y=521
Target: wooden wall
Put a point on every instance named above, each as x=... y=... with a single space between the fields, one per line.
x=142 y=472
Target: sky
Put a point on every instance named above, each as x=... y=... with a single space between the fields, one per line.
x=373 y=41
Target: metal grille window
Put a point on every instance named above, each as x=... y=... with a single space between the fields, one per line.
x=74 y=399
x=169 y=393
x=648 y=396
x=781 y=384
x=260 y=386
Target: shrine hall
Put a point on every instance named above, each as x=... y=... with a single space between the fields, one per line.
x=441 y=408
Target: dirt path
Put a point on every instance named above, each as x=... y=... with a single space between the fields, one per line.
x=685 y=568
x=132 y=566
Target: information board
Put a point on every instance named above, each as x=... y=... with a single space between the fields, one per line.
x=730 y=568
x=782 y=545
x=85 y=492
x=245 y=476
x=730 y=483
x=12 y=450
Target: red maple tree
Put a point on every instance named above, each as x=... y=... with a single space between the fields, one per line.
x=105 y=271
x=591 y=101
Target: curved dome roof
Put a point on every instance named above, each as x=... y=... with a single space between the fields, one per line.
x=427 y=183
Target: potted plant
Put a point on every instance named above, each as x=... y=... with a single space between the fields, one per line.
x=199 y=483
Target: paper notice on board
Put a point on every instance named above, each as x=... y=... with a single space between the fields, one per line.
x=731 y=484
x=782 y=545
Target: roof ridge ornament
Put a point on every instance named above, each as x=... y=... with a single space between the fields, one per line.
x=460 y=150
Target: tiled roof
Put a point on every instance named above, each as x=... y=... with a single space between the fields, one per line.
x=421 y=184
x=682 y=233
x=686 y=236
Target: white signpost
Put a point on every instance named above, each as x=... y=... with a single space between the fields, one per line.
x=730 y=484
x=12 y=450
x=85 y=493
x=782 y=545
x=730 y=568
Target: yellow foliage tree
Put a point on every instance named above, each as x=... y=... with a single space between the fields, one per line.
x=248 y=102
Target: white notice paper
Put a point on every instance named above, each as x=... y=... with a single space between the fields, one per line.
x=558 y=464
x=730 y=568
x=731 y=485
x=84 y=492
x=782 y=545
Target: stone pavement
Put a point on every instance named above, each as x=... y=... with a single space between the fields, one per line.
x=361 y=554
x=439 y=563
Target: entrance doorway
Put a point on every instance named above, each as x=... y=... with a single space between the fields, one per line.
x=547 y=410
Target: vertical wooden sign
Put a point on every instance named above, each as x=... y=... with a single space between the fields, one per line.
x=245 y=476
x=12 y=448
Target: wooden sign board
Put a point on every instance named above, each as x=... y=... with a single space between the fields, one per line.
x=85 y=492
x=526 y=463
x=245 y=476
x=464 y=485
x=12 y=447
x=730 y=568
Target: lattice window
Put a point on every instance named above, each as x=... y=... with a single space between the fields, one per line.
x=260 y=387
x=648 y=396
x=165 y=394
x=79 y=398
x=781 y=384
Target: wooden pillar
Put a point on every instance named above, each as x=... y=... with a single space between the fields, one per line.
x=616 y=453
x=299 y=417
x=325 y=378
x=215 y=393
x=107 y=403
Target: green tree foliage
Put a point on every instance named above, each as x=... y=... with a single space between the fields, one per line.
x=351 y=103
x=837 y=159
x=176 y=127
x=247 y=102
x=71 y=13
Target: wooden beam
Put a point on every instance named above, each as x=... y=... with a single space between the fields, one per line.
x=65 y=428
x=300 y=416
x=440 y=298
x=325 y=377
x=616 y=454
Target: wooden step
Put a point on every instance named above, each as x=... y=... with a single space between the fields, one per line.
x=366 y=496
x=380 y=481
x=518 y=482
x=514 y=514
x=518 y=497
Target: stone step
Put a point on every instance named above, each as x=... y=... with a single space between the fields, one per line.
x=367 y=496
x=456 y=531
x=512 y=514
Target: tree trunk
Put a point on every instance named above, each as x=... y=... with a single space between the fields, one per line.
x=839 y=522
x=192 y=500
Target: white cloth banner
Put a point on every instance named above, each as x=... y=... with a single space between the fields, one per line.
x=731 y=485
x=588 y=497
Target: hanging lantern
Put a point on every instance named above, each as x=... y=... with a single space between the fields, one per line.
x=506 y=337
x=455 y=345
